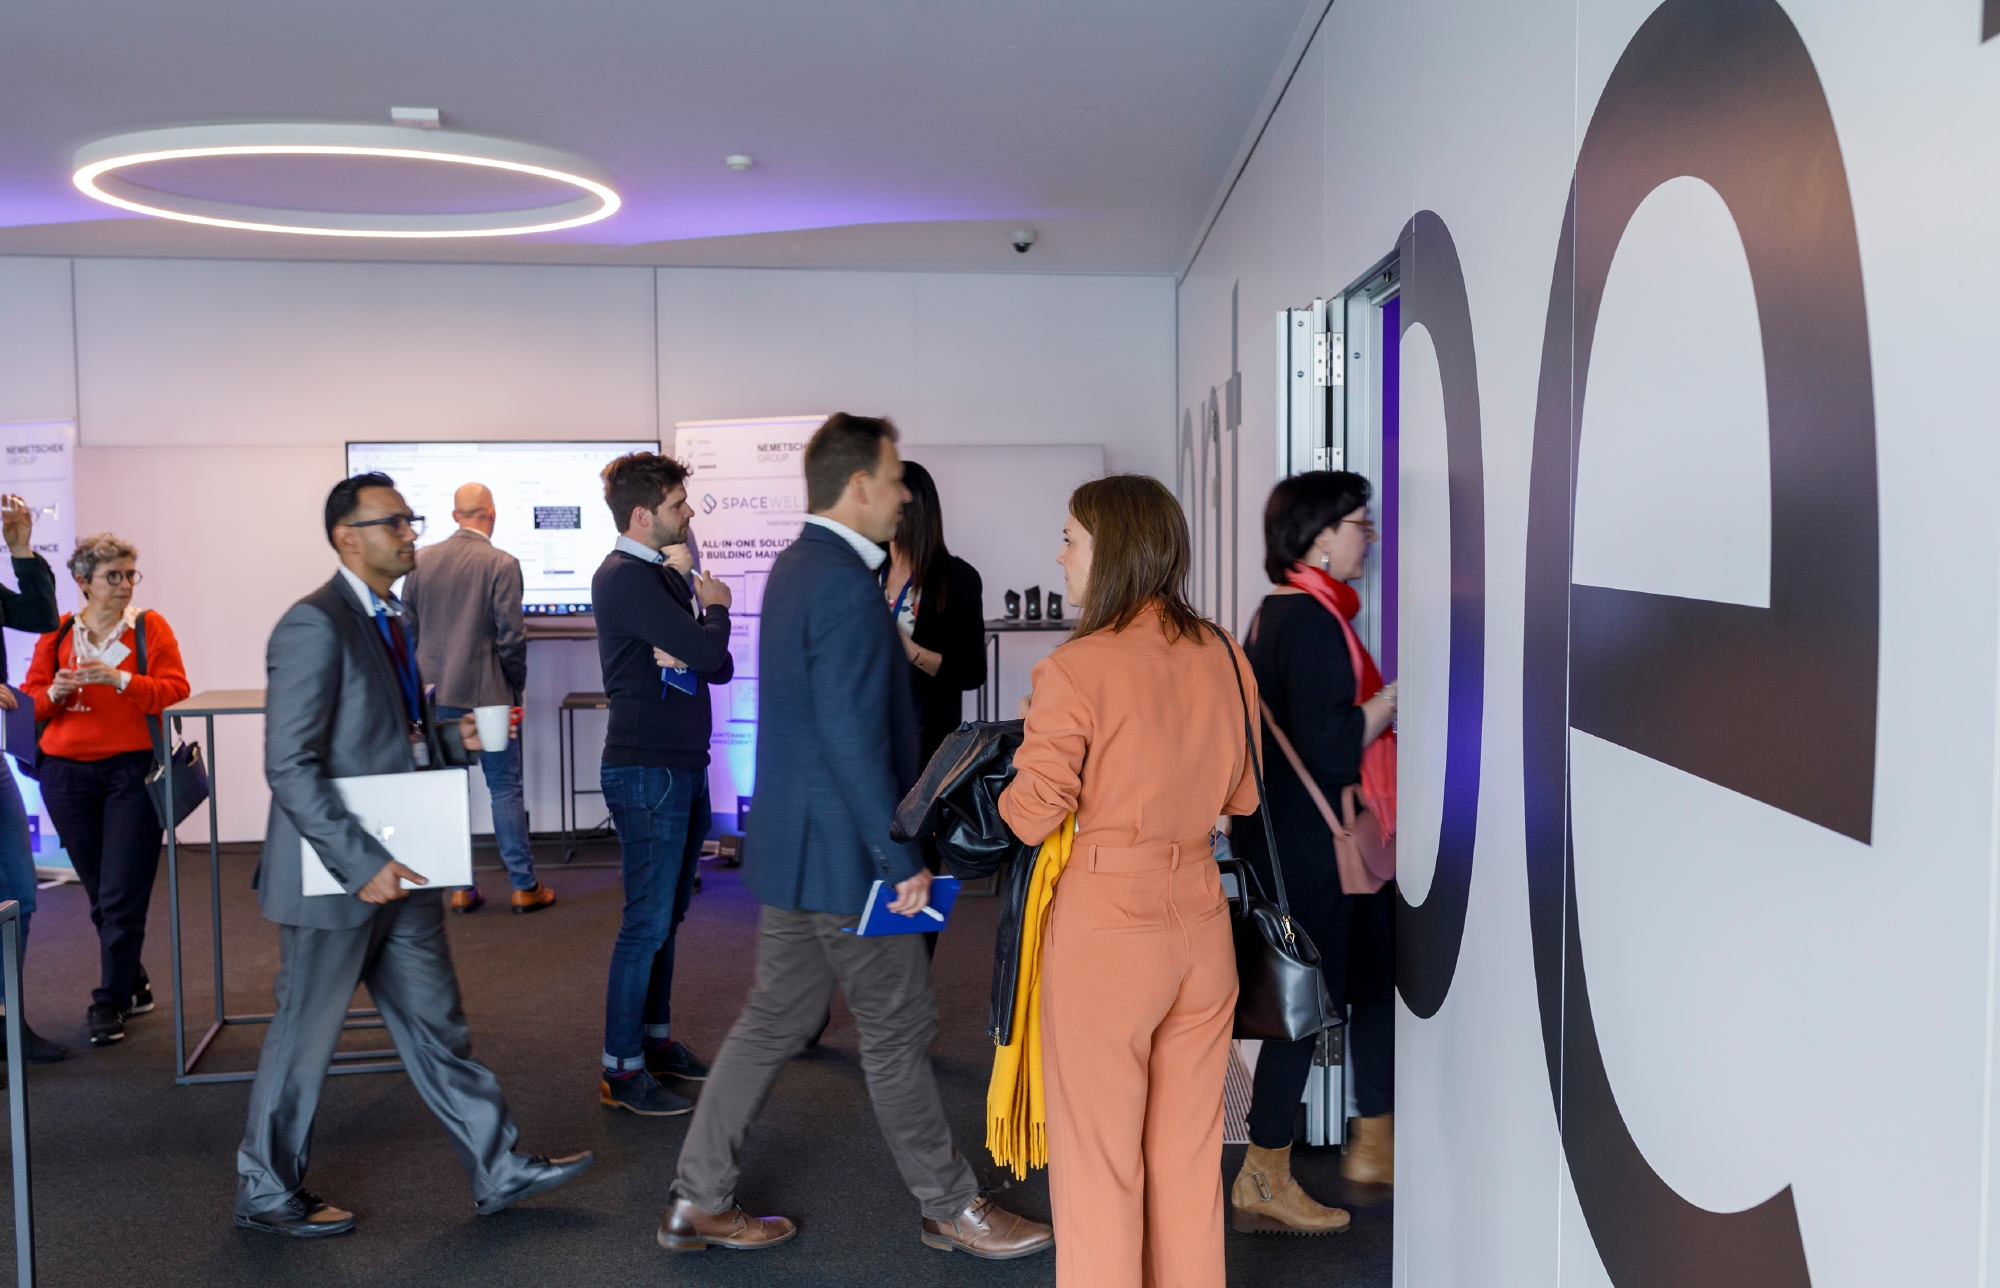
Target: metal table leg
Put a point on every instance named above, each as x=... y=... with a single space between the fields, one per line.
x=17 y=1096
x=989 y=707
x=381 y=1061
x=566 y=779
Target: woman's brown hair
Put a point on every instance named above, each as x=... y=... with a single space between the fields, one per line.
x=1140 y=555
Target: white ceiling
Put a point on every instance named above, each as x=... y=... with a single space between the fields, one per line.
x=887 y=133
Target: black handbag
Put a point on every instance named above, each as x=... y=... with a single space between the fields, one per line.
x=1281 y=994
x=190 y=772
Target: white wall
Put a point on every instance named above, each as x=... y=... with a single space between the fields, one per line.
x=213 y=399
x=1776 y=1005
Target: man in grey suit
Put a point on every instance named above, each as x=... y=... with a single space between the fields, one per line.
x=467 y=593
x=345 y=699
x=836 y=749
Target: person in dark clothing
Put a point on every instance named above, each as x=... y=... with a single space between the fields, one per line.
x=1316 y=534
x=658 y=657
x=31 y=608
x=937 y=601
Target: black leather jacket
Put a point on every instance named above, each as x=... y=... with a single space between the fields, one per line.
x=957 y=801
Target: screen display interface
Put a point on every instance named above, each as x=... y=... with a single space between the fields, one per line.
x=549 y=509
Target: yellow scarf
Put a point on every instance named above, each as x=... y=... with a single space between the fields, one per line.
x=1017 y=1107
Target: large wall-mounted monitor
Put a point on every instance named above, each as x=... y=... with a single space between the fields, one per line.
x=548 y=499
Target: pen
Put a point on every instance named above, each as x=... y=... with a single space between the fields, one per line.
x=933 y=913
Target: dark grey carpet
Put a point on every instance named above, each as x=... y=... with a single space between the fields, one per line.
x=133 y=1175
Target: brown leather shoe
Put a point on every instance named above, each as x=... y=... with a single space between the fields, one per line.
x=530 y=900
x=1266 y=1200
x=467 y=900
x=1371 y=1151
x=686 y=1228
x=987 y=1230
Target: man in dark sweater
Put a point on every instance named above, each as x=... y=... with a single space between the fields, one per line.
x=659 y=657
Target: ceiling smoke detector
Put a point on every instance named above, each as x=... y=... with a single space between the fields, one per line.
x=417 y=118
x=1022 y=239
x=738 y=162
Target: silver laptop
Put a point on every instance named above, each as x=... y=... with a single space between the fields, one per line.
x=423 y=819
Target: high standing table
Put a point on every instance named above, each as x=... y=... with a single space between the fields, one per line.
x=566 y=778
x=209 y=705
x=989 y=708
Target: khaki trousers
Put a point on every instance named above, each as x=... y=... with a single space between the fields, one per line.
x=801 y=957
x=1138 y=996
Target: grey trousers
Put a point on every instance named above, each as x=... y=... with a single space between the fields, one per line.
x=801 y=956
x=404 y=958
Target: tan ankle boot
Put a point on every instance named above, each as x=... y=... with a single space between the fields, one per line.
x=1266 y=1200
x=1371 y=1151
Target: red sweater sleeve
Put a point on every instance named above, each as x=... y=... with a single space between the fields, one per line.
x=41 y=674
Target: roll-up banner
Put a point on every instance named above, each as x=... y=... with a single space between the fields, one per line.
x=747 y=485
x=38 y=463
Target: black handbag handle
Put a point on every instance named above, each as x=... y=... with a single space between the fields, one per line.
x=1247 y=884
x=1250 y=749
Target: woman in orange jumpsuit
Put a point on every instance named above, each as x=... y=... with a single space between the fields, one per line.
x=1135 y=726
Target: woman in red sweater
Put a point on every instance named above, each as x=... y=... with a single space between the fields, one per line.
x=97 y=750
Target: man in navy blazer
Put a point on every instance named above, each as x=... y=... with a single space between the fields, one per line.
x=836 y=749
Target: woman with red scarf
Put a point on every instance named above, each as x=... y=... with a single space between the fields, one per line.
x=1321 y=689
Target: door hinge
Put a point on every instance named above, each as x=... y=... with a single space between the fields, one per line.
x=1319 y=458
x=1319 y=361
x=1336 y=368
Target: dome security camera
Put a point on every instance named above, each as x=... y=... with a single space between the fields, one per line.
x=1022 y=239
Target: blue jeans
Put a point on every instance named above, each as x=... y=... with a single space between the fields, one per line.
x=510 y=808
x=17 y=861
x=662 y=819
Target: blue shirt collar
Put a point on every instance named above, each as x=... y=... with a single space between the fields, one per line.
x=638 y=551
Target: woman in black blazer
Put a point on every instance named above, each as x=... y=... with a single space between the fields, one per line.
x=939 y=605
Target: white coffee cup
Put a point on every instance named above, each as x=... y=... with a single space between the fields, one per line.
x=495 y=726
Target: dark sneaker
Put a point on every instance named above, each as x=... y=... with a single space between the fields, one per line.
x=106 y=1022
x=639 y=1093
x=674 y=1060
x=142 y=995
x=303 y=1216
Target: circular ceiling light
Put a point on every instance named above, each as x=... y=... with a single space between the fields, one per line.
x=97 y=166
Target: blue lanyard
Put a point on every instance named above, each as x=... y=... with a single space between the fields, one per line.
x=406 y=666
x=896 y=613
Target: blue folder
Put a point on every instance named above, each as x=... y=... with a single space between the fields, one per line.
x=876 y=919
x=20 y=733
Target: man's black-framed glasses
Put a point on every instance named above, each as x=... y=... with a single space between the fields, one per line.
x=393 y=522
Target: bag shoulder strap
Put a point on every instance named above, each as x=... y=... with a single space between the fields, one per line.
x=160 y=749
x=1251 y=749
x=1299 y=767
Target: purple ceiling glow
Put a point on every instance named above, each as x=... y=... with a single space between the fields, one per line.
x=1108 y=124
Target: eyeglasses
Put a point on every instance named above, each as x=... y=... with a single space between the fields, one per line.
x=1367 y=527
x=115 y=577
x=395 y=523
